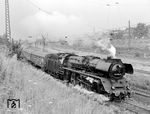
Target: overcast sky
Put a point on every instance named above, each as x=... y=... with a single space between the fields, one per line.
x=71 y=17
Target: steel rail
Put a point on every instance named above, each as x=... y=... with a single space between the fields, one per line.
x=142 y=71
x=141 y=92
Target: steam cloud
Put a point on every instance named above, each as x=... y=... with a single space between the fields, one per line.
x=105 y=44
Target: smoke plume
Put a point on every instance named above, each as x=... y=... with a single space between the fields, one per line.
x=106 y=45
x=102 y=43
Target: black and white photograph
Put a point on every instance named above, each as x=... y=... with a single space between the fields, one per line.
x=74 y=56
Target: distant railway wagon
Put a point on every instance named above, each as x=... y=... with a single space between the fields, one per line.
x=104 y=76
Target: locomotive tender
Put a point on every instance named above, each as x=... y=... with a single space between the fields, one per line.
x=105 y=76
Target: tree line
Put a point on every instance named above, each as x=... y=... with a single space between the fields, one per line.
x=141 y=30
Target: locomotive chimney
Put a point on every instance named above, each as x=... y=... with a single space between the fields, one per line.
x=105 y=44
x=112 y=51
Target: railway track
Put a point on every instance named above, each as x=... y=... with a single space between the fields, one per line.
x=133 y=106
x=142 y=71
x=141 y=92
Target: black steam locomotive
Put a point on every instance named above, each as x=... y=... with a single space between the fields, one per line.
x=105 y=76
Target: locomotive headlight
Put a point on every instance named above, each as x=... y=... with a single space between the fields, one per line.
x=113 y=88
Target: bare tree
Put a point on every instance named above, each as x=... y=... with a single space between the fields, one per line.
x=140 y=31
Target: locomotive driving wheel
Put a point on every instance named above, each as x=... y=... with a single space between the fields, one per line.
x=67 y=75
x=73 y=78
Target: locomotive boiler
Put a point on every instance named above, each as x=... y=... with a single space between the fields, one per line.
x=109 y=68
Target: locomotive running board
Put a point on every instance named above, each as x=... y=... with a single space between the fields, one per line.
x=90 y=75
x=105 y=82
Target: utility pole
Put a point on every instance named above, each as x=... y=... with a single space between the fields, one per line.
x=129 y=42
x=43 y=42
x=7 y=21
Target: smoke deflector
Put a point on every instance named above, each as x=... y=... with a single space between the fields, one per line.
x=128 y=68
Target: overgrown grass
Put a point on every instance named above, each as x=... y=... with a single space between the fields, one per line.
x=41 y=96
